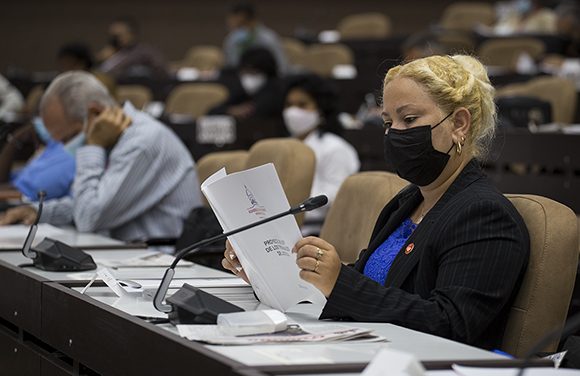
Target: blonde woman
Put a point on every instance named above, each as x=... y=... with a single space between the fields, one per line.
x=448 y=253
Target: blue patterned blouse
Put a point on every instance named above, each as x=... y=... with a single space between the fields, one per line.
x=379 y=263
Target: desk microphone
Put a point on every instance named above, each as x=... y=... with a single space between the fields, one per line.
x=191 y=305
x=571 y=326
x=53 y=255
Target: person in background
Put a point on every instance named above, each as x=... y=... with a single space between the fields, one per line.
x=134 y=178
x=51 y=169
x=448 y=253
x=259 y=93
x=11 y=100
x=77 y=56
x=125 y=55
x=246 y=31
x=310 y=115
x=421 y=45
x=528 y=17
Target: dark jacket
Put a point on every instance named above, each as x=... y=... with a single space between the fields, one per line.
x=468 y=258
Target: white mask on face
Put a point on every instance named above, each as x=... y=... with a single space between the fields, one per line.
x=252 y=82
x=299 y=121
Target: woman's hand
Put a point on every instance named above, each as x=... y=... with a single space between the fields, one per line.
x=319 y=263
x=231 y=262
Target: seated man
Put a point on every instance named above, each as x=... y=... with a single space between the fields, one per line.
x=134 y=178
x=125 y=55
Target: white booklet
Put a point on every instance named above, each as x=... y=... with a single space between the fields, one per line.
x=265 y=251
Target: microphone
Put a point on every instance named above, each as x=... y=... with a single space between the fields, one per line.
x=571 y=326
x=53 y=255
x=191 y=305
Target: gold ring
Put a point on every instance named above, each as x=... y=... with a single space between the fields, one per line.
x=315 y=270
x=319 y=253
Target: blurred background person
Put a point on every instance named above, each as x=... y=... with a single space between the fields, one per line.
x=529 y=17
x=11 y=101
x=125 y=55
x=310 y=115
x=259 y=91
x=246 y=31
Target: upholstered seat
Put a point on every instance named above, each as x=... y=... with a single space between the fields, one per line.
x=359 y=201
x=542 y=302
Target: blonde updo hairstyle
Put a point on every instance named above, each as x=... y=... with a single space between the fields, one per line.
x=453 y=82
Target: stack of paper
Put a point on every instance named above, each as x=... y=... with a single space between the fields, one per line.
x=265 y=252
x=305 y=333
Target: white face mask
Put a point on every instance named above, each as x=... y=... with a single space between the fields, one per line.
x=252 y=82
x=299 y=121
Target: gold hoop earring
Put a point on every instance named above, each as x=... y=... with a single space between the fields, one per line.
x=458 y=148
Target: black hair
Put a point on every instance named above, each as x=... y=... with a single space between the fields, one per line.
x=78 y=51
x=324 y=94
x=245 y=9
x=259 y=59
x=130 y=22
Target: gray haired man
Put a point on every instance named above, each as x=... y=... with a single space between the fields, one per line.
x=134 y=179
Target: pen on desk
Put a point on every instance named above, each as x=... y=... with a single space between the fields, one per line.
x=89 y=284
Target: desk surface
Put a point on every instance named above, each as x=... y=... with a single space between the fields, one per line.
x=12 y=237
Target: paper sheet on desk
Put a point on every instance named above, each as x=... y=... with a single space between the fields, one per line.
x=305 y=333
x=148 y=259
x=14 y=235
x=198 y=282
x=533 y=371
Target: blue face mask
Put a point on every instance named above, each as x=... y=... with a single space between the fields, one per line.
x=75 y=143
x=41 y=131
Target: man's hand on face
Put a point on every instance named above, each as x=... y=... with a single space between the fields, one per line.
x=106 y=128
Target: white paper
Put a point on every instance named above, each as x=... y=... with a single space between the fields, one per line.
x=152 y=258
x=305 y=333
x=532 y=371
x=265 y=251
x=13 y=236
x=198 y=282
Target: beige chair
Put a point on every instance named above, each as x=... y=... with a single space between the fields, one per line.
x=294 y=50
x=195 y=99
x=542 y=302
x=204 y=58
x=559 y=92
x=138 y=95
x=233 y=161
x=322 y=58
x=465 y=15
x=358 y=203
x=372 y=25
x=294 y=162
x=504 y=52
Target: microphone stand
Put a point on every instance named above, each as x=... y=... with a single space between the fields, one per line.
x=310 y=204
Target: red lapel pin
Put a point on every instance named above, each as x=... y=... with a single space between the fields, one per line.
x=409 y=248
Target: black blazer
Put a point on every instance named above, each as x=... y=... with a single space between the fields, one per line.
x=461 y=276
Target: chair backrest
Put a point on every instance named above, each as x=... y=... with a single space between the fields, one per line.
x=195 y=99
x=465 y=15
x=233 y=161
x=520 y=111
x=138 y=95
x=322 y=58
x=358 y=203
x=294 y=50
x=294 y=161
x=371 y=25
x=204 y=57
x=559 y=92
x=542 y=302
x=504 y=52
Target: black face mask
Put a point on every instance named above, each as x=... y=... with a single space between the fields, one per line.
x=412 y=154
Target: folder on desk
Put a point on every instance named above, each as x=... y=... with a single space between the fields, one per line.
x=265 y=252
